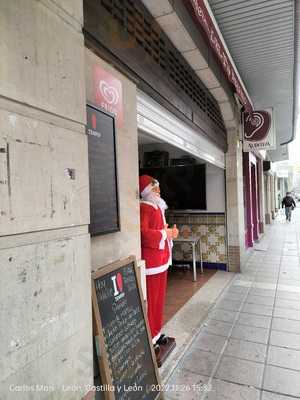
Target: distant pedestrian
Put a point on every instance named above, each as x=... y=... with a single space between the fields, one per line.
x=289 y=204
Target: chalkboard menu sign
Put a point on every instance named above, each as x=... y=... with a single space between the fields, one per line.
x=104 y=208
x=126 y=358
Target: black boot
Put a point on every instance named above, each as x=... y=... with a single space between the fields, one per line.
x=156 y=349
x=163 y=339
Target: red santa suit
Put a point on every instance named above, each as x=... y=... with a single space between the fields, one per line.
x=155 y=252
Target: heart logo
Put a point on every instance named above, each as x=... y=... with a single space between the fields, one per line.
x=120 y=282
x=110 y=93
x=256 y=126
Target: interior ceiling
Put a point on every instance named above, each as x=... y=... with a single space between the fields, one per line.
x=176 y=152
x=144 y=138
x=260 y=37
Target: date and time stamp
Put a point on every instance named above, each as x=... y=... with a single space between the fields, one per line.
x=165 y=388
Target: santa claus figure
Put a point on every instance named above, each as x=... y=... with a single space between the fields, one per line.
x=156 y=240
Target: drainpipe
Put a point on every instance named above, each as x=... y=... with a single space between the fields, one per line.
x=296 y=84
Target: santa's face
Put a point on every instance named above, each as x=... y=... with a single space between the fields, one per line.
x=156 y=190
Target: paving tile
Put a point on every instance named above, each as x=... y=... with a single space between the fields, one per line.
x=286 y=325
x=262 y=292
x=290 y=274
x=250 y=333
x=290 y=253
x=286 y=313
x=237 y=289
x=257 y=309
x=286 y=263
x=266 y=260
x=290 y=266
x=282 y=381
x=266 y=280
x=229 y=305
x=285 y=339
x=246 y=350
x=260 y=321
x=250 y=264
x=285 y=358
x=290 y=259
x=240 y=371
x=290 y=246
x=292 y=279
x=263 y=300
x=199 y=362
x=239 y=297
x=289 y=282
x=223 y=315
x=217 y=328
x=230 y=391
x=284 y=269
x=291 y=304
x=288 y=295
x=288 y=288
x=208 y=342
x=246 y=283
x=265 y=286
x=274 y=396
x=185 y=384
x=271 y=268
x=268 y=274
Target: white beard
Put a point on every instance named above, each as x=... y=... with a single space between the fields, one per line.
x=155 y=199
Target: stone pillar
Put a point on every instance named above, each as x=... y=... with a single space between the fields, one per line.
x=46 y=318
x=272 y=189
x=276 y=192
x=268 y=200
x=234 y=201
x=261 y=195
x=280 y=192
x=248 y=193
x=254 y=196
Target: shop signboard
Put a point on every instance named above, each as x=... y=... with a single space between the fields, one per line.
x=201 y=15
x=259 y=131
x=124 y=346
x=108 y=93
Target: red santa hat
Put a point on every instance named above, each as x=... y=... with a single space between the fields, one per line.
x=147 y=183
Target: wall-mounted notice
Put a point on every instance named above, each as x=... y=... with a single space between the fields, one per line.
x=126 y=358
x=104 y=206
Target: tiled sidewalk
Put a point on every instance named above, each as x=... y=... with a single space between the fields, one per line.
x=249 y=347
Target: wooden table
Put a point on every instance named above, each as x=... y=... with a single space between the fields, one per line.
x=193 y=241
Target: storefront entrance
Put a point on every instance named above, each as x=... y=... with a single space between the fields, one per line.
x=194 y=190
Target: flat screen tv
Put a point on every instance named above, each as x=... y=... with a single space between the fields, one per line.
x=182 y=187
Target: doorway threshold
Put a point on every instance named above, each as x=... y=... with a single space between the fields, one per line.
x=185 y=324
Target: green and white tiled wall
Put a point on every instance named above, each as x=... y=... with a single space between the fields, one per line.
x=212 y=230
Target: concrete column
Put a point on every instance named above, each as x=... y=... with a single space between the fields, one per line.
x=234 y=201
x=45 y=296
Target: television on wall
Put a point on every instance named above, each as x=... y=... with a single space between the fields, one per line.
x=182 y=187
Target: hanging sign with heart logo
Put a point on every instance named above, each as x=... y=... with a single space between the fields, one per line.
x=259 y=132
x=108 y=93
